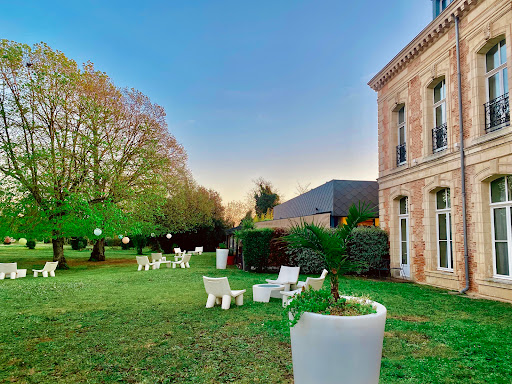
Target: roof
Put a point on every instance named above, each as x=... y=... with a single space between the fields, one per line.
x=335 y=197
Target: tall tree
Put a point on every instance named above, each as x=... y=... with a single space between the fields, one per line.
x=265 y=196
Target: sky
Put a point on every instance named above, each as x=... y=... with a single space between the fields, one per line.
x=269 y=88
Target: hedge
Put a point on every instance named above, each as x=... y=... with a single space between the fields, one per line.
x=256 y=248
x=370 y=246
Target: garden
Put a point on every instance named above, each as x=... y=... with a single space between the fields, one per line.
x=107 y=322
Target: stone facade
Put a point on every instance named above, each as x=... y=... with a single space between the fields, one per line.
x=409 y=80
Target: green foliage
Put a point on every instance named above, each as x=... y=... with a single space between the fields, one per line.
x=78 y=243
x=322 y=302
x=31 y=244
x=265 y=199
x=278 y=250
x=222 y=246
x=309 y=261
x=256 y=248
x=369 y=246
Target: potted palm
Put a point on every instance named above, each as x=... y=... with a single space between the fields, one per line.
x=333 y=334
x=221 y=254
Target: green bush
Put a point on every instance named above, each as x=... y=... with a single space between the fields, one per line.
x=309 y=261
x=278 y=249
x=78 y=243
x=113 y=242
x=256 y=248
x=370 y=247
x=31 y=244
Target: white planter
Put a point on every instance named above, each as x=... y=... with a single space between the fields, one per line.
x=222 y=258
x=338 y=349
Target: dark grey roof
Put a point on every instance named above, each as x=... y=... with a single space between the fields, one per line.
x=335 y=196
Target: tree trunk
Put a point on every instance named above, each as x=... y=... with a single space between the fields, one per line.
x=335 y=290
x=98 y=250
x=58 y=252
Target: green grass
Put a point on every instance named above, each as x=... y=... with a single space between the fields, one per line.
x=106 y=322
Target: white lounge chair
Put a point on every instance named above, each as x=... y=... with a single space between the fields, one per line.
x=49 y=268
x=143 y=262
x=177 y=251
x=158 y=258
x=314 y=283
x=219 y=292
x=300 y=284
x=199 y=250
x=183 y=262
x=288 y=276
x=8 y=269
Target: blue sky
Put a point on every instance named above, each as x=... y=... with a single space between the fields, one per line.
x=270 y=88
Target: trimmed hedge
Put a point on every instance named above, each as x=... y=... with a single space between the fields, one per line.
x=370 y=246
x=309 y=261
x=256 y=246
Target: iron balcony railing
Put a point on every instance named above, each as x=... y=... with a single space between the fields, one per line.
x=439 y=138
x=400 y=154
x=497 y=113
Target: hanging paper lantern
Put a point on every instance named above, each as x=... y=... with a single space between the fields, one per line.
x=22 y=241
x=125 y=240
x=153 y=235
x=168 y=236
x=120 y=237
x=98 y=231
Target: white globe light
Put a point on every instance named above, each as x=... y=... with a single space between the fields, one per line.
x=98 y=231
x=120 y=237
x=22 y=241
x=153 y=235
x=168 y=235
x=125 y=240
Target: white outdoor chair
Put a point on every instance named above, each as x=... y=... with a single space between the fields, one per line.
x=158 y=258
x=183 y=262
x=199 y=250
x=288 y=276
x=314 y=283
x=143 y=262
x=8 y=269
x=300 y=284
x=219 y=292
x=177 y=251
x=49 y=268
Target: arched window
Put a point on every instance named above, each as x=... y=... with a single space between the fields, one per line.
x=497 y=111
x=444 y=230
x=439 y=132
x=401 y=149
x=403 y=219
x=501 y=212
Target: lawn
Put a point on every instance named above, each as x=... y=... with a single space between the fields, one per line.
x=106 y=322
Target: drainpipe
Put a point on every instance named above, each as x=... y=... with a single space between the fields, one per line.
x=462 y=165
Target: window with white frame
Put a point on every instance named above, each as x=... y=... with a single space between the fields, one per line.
x=403 y=219
x=444 y=230
x=401 y=148
x=501 y=212
x=496 y=79
x=440 y=130
x=439 y=6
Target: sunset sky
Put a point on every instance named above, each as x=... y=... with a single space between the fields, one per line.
x=275 y=89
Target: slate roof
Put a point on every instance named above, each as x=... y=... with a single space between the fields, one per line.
x=335 y=197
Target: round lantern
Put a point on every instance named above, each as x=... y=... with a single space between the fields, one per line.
x=98 y=231
x=22 y=241
x=168 y=235
x=125 y=240
x=153 y=235
x=120 y=237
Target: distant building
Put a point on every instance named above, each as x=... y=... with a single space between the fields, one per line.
x=325 y=205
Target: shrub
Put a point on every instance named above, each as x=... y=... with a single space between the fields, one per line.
x=370 y=247
x=309 y=261
x=113 y=241
x=278 y=249
x=31 y=244
x=78 y=243
x=256 y=245
x=126 y=246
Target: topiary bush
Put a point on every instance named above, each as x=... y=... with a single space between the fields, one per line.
x=370 y=247
x=256 y=246
x=31 y=244
x=309 y=261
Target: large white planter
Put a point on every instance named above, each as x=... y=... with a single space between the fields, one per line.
x=222 y=258
x=338 y=349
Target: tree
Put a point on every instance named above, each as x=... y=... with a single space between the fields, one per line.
x=264 y=196
x=235 y=211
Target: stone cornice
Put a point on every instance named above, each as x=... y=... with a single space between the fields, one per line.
x=437 y=28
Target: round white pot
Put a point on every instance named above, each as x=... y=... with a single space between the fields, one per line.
x=222 y=258
x=338 y=349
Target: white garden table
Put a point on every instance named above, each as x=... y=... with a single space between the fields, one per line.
x=262 y=292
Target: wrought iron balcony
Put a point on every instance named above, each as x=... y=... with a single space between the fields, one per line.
x=439 y=138
x=401 y=154
x=497 y=113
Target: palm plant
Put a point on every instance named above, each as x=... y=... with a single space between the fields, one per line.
x=331 y=243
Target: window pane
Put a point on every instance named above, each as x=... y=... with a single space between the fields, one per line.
x=509 y=184
x=442 y=226
x=494 y=86
x=498 y=190
x=451 y=255
x=505 y=80
x=403 y=205
x=401 y=135
x=500 y=224
x=492 y=59
x=441 y=199
x=401 y=115
x=503 y=52
x=448 y=198
x=439 y=92
x=403 y=229
x=404 y=252
x=502 y=259
x=443 y=254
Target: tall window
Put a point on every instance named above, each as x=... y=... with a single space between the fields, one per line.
x=501 y=212
x=497 y=108
x=439 y=133
x=401 y=150
x=403 y=218
x=444 y=230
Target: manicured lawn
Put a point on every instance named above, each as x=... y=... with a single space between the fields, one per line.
x=106 y=322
